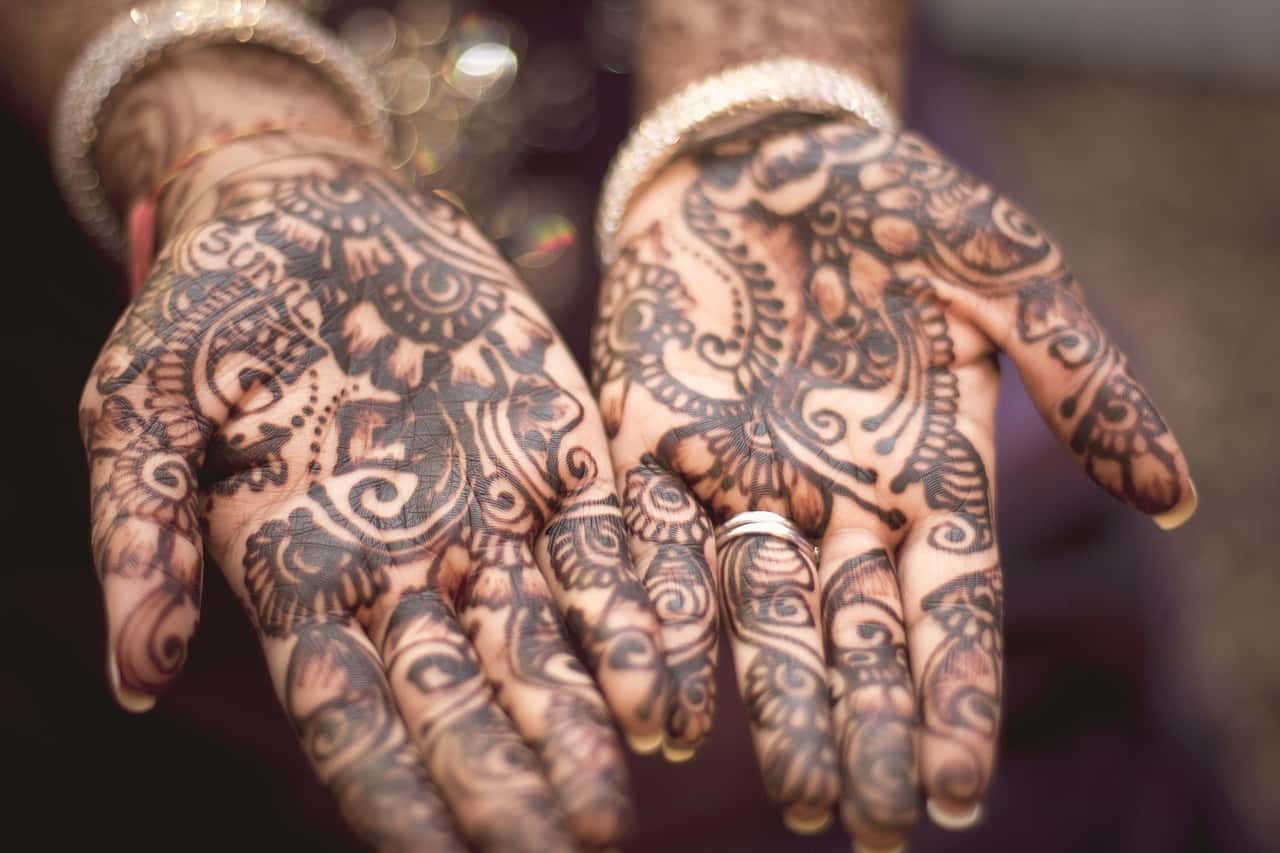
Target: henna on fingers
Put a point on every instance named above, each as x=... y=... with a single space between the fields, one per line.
x=768 y=592
x=672 y=538
x=336 y=386
x=339 y=704
x=804 y=318
x=961 y=680
x=872 y=693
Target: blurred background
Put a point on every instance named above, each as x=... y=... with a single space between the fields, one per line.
x=1143 y=706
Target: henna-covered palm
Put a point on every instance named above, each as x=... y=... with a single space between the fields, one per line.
x=805 y=318
x=338 y=389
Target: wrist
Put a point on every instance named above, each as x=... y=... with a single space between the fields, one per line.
x=246 y=171
x=773 y=93
x=662 y=200
x=189 y=99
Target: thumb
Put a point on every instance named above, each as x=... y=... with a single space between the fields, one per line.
x=144 y=442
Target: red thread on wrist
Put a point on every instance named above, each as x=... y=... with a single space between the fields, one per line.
x=142 y=242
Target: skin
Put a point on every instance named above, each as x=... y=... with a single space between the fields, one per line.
x=679 y=42
x=336 y=389
x=333 y=388
x=808 y=314
x=422 y=580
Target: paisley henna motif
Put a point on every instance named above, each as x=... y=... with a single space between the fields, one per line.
x=343 y=386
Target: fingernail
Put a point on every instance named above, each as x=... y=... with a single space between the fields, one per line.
x=859 y=847
x=804 y=820
x=131 y=700
x=953 y=820
x=676 y=754
x=645 y=744
x=1178 y=516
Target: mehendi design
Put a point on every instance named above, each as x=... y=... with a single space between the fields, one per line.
x=1120 y=437
x=829 y=259
x=871 y=691
x=674 y=534
x=767 y=592
x=962 y=680
x=804 y=318
x=352 y=739
x=347 y=386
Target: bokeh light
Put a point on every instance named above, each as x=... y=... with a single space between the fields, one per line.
x=482 y=70
x=471 y=102
x=370 y=33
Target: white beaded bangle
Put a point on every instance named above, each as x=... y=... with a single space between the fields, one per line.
x=138 y=38
x=774 y=85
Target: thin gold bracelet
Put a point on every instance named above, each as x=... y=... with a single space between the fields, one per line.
x=774 y=85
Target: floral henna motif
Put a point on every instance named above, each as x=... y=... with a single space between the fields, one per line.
x=348 y=388
x=660 y=513
x=1122 y=439
x=582 y=542
x=836 y=250
x=804 y=318
x=144 y=467
x=356 y=744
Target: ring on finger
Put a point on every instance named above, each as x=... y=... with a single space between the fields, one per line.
x=765 y=523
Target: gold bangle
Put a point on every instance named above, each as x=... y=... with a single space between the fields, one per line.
x=138 y=38
x=774 y=85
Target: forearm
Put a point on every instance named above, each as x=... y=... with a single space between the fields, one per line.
x=681 y=41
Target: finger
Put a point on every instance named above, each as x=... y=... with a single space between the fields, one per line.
x=583 y=556
x=953 y=604
x=1080 y=382
x=143 y=443
x=490 y=779
x=768 y=589
x=671 y=545
x=872 y=696
x=509 y=614
x=332 y=687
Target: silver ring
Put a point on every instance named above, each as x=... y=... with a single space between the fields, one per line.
x=764 y=523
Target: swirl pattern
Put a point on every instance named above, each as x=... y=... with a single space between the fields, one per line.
x=805 y=318
x=339 y=389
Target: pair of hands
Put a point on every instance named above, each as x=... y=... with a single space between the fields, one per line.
x=336 y=389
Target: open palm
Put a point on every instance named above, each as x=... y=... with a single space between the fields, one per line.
x=804 y=318
x=338 y=388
